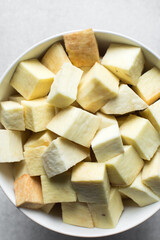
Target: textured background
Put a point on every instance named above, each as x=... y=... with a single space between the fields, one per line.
x=23 y=23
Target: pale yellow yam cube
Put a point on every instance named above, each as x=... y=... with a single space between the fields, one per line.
x=148 y=86
x=65 y=86
x=43 y=138
x=28 y=192
x=107 y=143
x=10 y=146
x=98 y=86
x=32 y=79
x=47 y=207
x=124 y=61
x=16 y=98
x=126 y=101
x=82 y=48
x=12 y=116
x=140 y=193
x=37 y=113
x=106 y=120
x=107 y=215
x=152 y=113
x=58 y=189
x=151 y=173
x=123 y=169
x=33 y=158
x=121 y=119
x=61 y=155
x=76 y=125
x=77 y=214
x=55 y=57
x=19 y=169
x=90 y=182
x=140 y=133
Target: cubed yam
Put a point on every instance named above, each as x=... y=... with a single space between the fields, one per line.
x=33 y=158
x=148 y=86
x=98 y=86
x=82 y=48
x=121 y=119
x=77 y=214
x=106 y=120
x=90 y=182
x=80 y=126
x=152 y=113
x=107 y=143
x=19 y=169
x=43 y=138
x=140 y=193
x=107 y=215
x=123 y=169
x=28 y=192
x=37 y=79
x=140 y=133
x=151 y=173
x=25 y=135
x=12 y=116
x=125 y=61
x=65 y=86
x=126 y=101
x=55 y=57
x=10 y=146
x=16 y=98
x=37 y=113
x=61 y=155
x=58 y=189
x=47 y=207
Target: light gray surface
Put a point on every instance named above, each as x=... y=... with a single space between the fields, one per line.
x=23 y=23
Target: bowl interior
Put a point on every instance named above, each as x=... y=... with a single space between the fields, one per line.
x=132 y=215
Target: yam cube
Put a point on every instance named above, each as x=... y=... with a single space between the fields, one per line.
x=47 y=207
x=28 y=192
x=38 y=113
x=148 y=86
x=40 y=139
x=97 y=88
x=55 y=57
x=124 y=61
x=16 y=98
x=126 y=101
x=10 y=146
x=80 y=126
x=90 y=182
x=77 y=214
x=64 y=88
x=152 y=113
x=123 y=169
x=107 y=143
x=151 y=173
x=58 y=189
x=140 y=193
x=19 y=169
x=61 y=155
x=140 y=133
x=32 y=79
x=12 y=116
x=33 y=158
x=106 y=120
x=107 y=215
x=121 y=119
x=82 y=48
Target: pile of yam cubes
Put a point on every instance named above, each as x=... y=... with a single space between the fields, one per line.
x=83 y=130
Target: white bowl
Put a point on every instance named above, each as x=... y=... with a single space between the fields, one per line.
x=132 y=215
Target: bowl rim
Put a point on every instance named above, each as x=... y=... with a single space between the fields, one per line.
x=59 y=35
